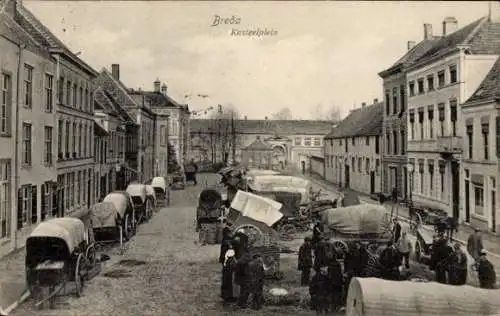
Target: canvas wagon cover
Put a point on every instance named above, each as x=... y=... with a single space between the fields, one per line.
x=150 y=190
x=159 y=182
x=120 y=202
x=70 y=229
x=258 y=172
x=105 y=214
x=377 y=297
x=357 y=219
x=257 y=207
x=137 y=190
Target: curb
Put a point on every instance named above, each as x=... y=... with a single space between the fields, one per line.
x=24 y=297
x=404 y=218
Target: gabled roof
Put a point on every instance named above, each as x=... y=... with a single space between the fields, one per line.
x=280 y=127
x=14 y=32
x=489 y=89
x=156 y=99
x=417 y=51
x=258 y=144
x=365 y=121
x=105 y=74
x=45 y=37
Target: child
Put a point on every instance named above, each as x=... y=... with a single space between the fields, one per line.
x=305 y=261
x=319 y=291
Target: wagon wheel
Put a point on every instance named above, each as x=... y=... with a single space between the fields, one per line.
x=149 y=209
x=415 y=222
x=373 y=248
x=287 y=231
x=91 y=255
x=127 y=227
x=418 y=251
x=79 y=275
x=341 y=246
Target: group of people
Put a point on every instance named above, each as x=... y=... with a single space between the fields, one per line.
x=242 y=272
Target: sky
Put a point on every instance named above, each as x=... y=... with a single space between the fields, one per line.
x=325 y=54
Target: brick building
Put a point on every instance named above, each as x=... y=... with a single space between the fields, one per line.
x=353 y=151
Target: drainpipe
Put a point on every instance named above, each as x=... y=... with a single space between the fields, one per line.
x=14 y=219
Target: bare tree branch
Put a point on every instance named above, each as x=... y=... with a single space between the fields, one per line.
x=283 y=114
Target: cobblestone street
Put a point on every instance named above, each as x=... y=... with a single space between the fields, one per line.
x=162 y=272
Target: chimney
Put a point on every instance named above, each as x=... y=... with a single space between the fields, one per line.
x=450 y=25
x=363 y=104
x=375 y=101
x=115 y=71
x=411 y=44
x=427 y=31
x=245 y=117
x=494 y=11
x=164 y=89
x=157 y=85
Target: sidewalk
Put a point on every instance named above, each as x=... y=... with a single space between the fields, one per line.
x=491 y=243
x=12 y=281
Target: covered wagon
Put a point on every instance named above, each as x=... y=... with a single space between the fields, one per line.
x=162 y=190
x=377 y=297
x=143 y=203
x=254 y=216
x=208 y=213
x=123 y=204
x=110 y=224
x=266 y=184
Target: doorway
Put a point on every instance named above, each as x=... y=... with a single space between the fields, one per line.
x=372 y=182
x=467 y=201
x=347 y=178
x=455 y=187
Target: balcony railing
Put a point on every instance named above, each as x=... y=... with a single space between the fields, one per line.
x=449 y=144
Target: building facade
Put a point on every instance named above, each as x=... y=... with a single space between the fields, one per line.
x=438 y=82
x=481 y=117
x=394 y=158
x=258 y=154
x=353 y=150
x=293 y=141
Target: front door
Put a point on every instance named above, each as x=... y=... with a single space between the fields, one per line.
x=493 y=212
x=455 y=186
x=372 y=182
x=467 y=201
x=346 y=176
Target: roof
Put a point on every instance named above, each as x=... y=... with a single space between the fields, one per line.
x=365 y=121
x=284 y=127
x=156 y=99
x=10 y=29
x=489 y=89
x=258 y=144
x=99 y=130
x=45 y=37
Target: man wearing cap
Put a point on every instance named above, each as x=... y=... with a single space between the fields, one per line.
x=486 y=272
x=475 y=244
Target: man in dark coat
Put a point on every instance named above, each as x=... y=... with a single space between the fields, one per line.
x=253 y=283
x=486 y=272
x=336 y=278
x=440 y=258
x=319 y=289
x=396 y=230
x=225 y=243
x=458 y=266
x=305 y=261
x=452 y=226
x=390 y=260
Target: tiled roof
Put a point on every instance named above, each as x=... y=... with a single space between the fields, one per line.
x=283 y=127
x=450 y=42
x=417 y=51
x=156 y=98
x=489 y=88
x=109 y=105
x=12 y=30
x=365 y=121
x=44 y=36
x=258 y=144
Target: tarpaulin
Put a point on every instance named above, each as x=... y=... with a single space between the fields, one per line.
x=357 y=219
x=257 y=207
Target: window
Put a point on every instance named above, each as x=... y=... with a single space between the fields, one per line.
x=78 y=192
x=72 y=190
x=394 y=100
x=367 y=165
x=377 y=166
x=28 y=86
x=411 y=87
x=47 y=156
x=67 y=138
x=27 y=203
x=60 y=90
x=430 y=83
x=395 y=142
x=86 y=99
x=430 y=114
x=441 y=79
x=46 y=200
x=421 y=122
x=68 y=93
x=67 y=191
x=317 y=141
x=80 y=137
x=49 y=94
x=402 y=98
x=441 y=118
x=360 y=165
x=387 y=103
x=377 y=144
x=5 y=205
x=470 y=140
x=307 y=141
x=367 y=141
x=442 y=168
x=485 y=131
x=80 y=95
x=453 y=74
x=403 y=142
x=478 y=198
x=74 y=139
x=420 y=83
x=388 y=142
x=6 y=110
x=353 y=164
x=421 y=172
x=431 y=176
x=453 y=117
x=412 y=129
x=75 y=96
x=26 y=144
x=85 y=133
x=353 y=141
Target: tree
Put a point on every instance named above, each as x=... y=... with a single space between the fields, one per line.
x=172 y=164
x=330 y=114
x=223 y=133
x=283 y=114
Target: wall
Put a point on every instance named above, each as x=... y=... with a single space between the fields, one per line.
x=317 y=165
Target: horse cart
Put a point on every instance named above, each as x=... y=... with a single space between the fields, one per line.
x=143 y=202
x=59 y=251
x=110 y=224
x=125 y=211
x=178 y=181
x=254 y=217
x=208 y=214
x=162 y=191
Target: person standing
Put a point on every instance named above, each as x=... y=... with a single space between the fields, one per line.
x=404 y=249
x=458 y=266
x=486 y=272
x=452 y=227
x=228 y=264
x=319 y=290
x=440 y=258
x=305 y=261
x=475 y=244
x=253 y=283
x=336 y=278
x=396 y=230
